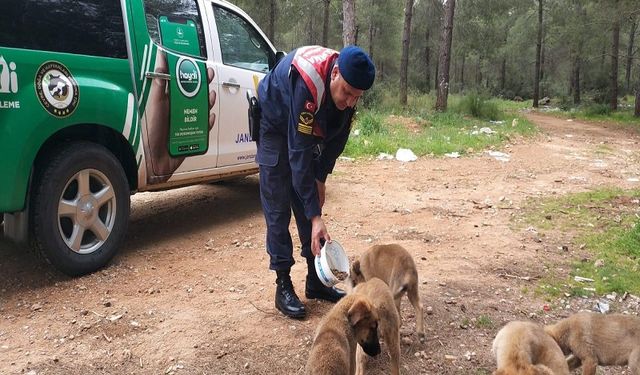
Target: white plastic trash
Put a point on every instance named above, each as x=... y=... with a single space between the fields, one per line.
x=384 y=156
x=404 y=154
x=332 y=260
x=501 y=156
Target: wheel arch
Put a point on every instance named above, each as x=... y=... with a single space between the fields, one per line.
x=103 y=135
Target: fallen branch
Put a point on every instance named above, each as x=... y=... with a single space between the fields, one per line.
x=262 y=310
x=100 y=315
x=507 y=276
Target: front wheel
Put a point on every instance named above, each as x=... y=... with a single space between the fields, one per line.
x=80 y=209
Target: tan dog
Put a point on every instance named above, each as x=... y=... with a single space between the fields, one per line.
x=395 y=266
x=597 y=339
x=523 y=348
x=388 y=325
x=352 y=321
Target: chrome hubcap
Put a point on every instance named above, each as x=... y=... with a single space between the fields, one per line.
x=86 y=211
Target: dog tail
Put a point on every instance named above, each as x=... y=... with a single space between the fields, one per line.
x=407 y=280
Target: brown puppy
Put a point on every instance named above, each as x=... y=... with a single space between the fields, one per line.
x=395 y=266
x=352 y=321
x=523 y=348
x=388 y=325
x=597 y=339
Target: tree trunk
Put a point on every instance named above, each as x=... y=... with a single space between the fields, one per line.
x=404 y=61
x=271 y=28
x=325 y=22
x=445 y=55
x=576 y=79
x=464 y=57
x=435 y=81
x=536 y=81
x=372 y=36
x=349 y=22
x=572 y=74
x=310 y=34
x=542 y=60
x=427 y=51
x=577 y=87
x=503 y=67
x=632 y=35
x=615 y=46
x=503 y=74
x=637 y=111
x=373 y=31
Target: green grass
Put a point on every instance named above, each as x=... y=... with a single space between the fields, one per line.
x=387 y=126
x=599 y=113
x=602 y=113
x=510 y=105
x=605 y=225
x=484 y=321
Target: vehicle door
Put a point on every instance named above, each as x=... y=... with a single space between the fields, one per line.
x=177 y=89
x=243 y=55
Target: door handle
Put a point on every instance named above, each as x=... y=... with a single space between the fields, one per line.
x=231 y=85
x=163 y=76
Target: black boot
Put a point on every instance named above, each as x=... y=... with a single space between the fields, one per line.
x=286 y=299
x=315 y=289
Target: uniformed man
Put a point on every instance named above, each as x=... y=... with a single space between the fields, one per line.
x=307 y=106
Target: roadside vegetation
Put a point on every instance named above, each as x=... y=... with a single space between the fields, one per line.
x=605 y=250
x=595 y=111
x=473 y=123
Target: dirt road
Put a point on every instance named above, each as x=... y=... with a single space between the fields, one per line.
x=190 y=292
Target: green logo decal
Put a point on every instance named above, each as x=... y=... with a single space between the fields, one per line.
x=188 y=77
x=56 y=88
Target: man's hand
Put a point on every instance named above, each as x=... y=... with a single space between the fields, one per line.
x=321 y=192
x=318 y=232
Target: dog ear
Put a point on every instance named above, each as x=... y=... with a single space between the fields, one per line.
x=361 y=309
x=355 y=268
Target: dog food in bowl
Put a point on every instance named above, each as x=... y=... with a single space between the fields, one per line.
x=339 y=274
x=332 y=266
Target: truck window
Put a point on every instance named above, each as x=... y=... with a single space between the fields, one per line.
x=241 y=45
x=88 y=27
x=184 y=9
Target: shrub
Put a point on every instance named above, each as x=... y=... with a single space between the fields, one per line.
x=597 y=110
x=478 y=106
x=372 y=97
x=565 y=103
x=370 y=123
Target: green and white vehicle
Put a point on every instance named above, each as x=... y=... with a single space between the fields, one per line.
x=100 y=99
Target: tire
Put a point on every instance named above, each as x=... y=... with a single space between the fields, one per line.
x=80 y=208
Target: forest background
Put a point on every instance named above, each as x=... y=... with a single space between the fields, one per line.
x=577 y=52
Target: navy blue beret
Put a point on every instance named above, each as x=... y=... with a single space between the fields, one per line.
x=356 y=67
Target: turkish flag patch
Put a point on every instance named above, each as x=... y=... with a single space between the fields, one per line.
x=310 y=106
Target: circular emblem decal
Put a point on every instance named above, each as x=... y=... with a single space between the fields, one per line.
x=56 y=88
x=188 y=77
